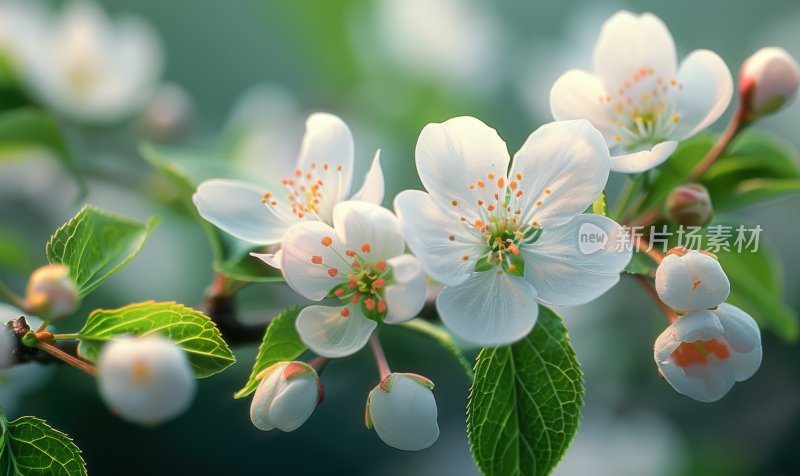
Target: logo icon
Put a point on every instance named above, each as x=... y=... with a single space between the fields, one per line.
x=591 y=238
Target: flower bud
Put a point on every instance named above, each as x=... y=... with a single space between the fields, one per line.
x=51 y=293
x=145 y=380
x=704 y=353
x=689 y=205
x=403 y=412
x=169 y=114
x=768 y=81
x=286 y=397
x=688 y=280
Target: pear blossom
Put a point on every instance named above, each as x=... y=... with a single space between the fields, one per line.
x=638 y=96
x=322 y=178
x=402 y=410
x=145 y=380
x=51 y=293
x=705 y=352
x=92 y=69
x=690 y=205
x=768 y=81
x=361 y=262
x=500 y=239
x=690 y=280
x=286 y=397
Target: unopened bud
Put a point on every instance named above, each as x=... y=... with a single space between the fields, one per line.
x=689 y=280
x=768 y=82
x=169 y=115
x=145 y=380
x=286 y=397
x=403 y=412
x=690 y=205
x=51 y=293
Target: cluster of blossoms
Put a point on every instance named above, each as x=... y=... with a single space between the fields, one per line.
x=712 y=345
x=502 y=236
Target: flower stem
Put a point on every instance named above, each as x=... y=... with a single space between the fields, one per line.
x=72 y=360
x=66 y=336
x=319 y=363
x=736 y=125
x=651 y=291
x=380 y=357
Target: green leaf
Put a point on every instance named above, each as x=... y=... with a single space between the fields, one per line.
x=600 y=205
x=524 y=407
x=443 y=337
x=27 y=128
x=757 y=288
x=31 y=447
x=95 y=244
x=281 y=343
x=193 y=331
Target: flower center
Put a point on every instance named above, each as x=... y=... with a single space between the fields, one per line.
x=697 y=352
x=502 y=225
x=362 y=283
x=305 y=190
x=643 y=110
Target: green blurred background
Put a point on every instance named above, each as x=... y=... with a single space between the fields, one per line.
x=388 y=72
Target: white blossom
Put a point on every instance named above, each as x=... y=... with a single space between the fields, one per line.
x=361 y=262
x=500 y=239
x=93 y=69
x=51 y=293
x=705 y=352
x=638 y=96
x=322 y=178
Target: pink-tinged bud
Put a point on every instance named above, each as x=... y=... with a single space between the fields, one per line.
x=51 y=293
x=690 y=205
x=768 y=82
x=403 y=412
x=169 y=115
x=286 y=397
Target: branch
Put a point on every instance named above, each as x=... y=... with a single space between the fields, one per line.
x=220 y=306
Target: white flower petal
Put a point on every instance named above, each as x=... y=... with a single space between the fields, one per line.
x=406 y=297
x=272 y=259
x=236 y=208
x=707 y=89
x=628 y=43
x=358 y=223
x=691 y=282
x=263 y=396
x=577 y=262
x=704 y=383
x=455 y=160
x=577 y=94
x=329 y=141
x=428 y=230
x=563 y=167
x=295 y=403
x=491 y=308
x=741 y=331
x=310 y=267
x=697 y=325
x=643 y=160
x=746 y=364
x=330 y=334
x=405 y=416
x=372 y=190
